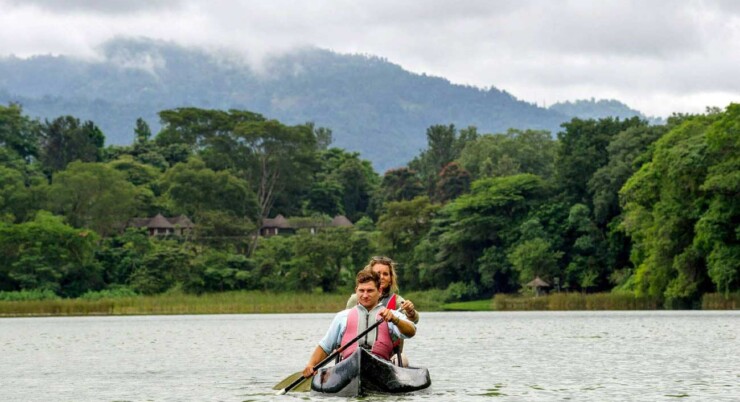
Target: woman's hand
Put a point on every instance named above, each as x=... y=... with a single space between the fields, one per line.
x=408 y=308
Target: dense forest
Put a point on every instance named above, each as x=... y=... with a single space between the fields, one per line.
x=373 y=106
x=607 y=205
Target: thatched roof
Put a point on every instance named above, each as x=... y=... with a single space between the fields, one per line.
x=341 y=220
x=159 y=222
x=181 y=221
x=276 y=222
x=538 y=283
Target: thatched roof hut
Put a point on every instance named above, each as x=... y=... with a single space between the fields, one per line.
x=537 y=284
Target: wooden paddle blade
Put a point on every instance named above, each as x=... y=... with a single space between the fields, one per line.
x=305 y=386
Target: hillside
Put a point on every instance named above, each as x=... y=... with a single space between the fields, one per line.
x=372 y=105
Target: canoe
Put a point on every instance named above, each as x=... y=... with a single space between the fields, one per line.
x=362 y=373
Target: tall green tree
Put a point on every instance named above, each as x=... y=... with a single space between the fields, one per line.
x=444 y=145
x=452 y=182
x=48 y=254
x=681 y=210
x=275 y=159
x=402 y=226
x=583 y=150
x=343 y=184
x=471 y=235
x=19 y=133
x=401 y=184
x=65 y=139
x=94 y=196
x=514 y=152
x=194 y=189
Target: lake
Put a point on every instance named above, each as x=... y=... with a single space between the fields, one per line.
x=484 y=356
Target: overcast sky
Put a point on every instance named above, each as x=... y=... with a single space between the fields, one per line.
x=657 y=56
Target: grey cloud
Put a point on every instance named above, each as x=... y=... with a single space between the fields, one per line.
x=597 y=47
x=97 y=6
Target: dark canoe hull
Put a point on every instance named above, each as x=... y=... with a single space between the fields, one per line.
x=363 y=373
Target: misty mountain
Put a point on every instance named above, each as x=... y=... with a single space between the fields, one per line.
x=372 y=106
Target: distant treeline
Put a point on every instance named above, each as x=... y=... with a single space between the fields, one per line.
x=610 y=205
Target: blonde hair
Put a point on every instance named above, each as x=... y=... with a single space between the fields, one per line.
x=392 y=265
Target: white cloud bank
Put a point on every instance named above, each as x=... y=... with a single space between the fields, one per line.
x=656 y=56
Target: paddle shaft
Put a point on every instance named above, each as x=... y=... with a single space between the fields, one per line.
x=334 y=354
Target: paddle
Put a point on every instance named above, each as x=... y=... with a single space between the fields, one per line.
x=327 y=359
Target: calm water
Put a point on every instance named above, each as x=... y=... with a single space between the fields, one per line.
x=537 y=356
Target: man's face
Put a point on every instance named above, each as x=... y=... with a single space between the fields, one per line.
x=367 y=294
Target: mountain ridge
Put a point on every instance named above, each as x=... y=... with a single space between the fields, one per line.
x=373 y=106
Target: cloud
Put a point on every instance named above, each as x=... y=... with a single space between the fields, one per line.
x=642 y=52
x=95 y=6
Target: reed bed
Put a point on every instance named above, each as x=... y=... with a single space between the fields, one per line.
x=178 y=303
x=575 y=301
x=719 y=301
x=253 y=302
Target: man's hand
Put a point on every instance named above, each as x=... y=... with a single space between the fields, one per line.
x=387 y=315
x=308 y=371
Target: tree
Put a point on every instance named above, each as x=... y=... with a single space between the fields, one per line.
x=534 y=258
x=47 y=254
x=93 y=195
x=453 y=181
x=18 y=133
x=342 y=184
x=322 y=258
x=586 y=261
x=194 y=189
x=142 y=132
x=221 y=230
x=404 y=224
x=583 y=150
x=324 y=197
x=516 y=151
x=533 y=254
x=443 y=146
x=471 y=234
x=281 y=159
x=164 y=266
x=680 y=210
x=717 y=234
x=65 y=139
x=15 y=197
x=120 y=255
x=276 y=160
x=401 y=184
x=627 y=151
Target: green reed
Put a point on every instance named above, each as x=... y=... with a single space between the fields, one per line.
x=179 y=303
x=575 y=301
x=719 y=301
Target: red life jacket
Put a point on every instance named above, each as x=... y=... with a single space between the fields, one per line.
x=380 y=341
x=391 y=305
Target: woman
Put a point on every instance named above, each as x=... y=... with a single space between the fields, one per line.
x=386 y=268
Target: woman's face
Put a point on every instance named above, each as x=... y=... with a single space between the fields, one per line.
x=384 y=271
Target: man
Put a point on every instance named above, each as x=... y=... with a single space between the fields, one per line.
x=349 y=323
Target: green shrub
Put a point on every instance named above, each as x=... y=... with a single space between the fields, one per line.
x=28 y=295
